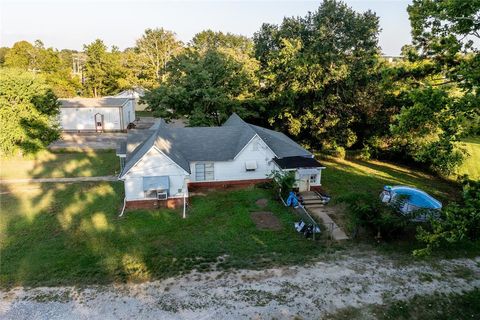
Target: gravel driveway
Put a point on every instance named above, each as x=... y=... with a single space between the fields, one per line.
x=308 y=292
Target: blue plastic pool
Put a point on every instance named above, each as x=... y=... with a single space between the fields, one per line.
x=417 y=198
x=414 y=200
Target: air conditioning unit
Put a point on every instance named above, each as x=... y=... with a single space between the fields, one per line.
x=162 y=195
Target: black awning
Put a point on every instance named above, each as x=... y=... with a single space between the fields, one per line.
x=297 y=162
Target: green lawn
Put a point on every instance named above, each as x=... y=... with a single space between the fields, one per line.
x=65 y=234
x=471 y=165
x=343 y=176
x=143 y=113
x=455 y=306
x=47 y=164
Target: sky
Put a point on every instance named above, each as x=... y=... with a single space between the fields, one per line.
x=73 y=23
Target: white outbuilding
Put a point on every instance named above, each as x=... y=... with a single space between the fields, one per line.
x=137 y=94
x=96 y=114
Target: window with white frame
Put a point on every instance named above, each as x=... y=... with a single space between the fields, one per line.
x=204 y=171
x=313 y=178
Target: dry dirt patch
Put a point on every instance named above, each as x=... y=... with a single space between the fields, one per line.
x=266 y=220
x=262 y=203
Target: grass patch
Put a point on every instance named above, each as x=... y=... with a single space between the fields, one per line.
x=48 y=164
x=355 y=176
x=343 y=176
x=70 y=234
x=454 y=306
x=143 y=113
x=471 y=165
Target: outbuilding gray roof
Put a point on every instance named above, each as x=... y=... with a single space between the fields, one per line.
x=183 y=145
x=106 y=102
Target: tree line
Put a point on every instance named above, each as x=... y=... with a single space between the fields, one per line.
x=320 y=78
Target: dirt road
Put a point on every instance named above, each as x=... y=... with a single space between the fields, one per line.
x=307 y=292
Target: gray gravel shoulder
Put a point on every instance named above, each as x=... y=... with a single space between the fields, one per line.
x=308 y=291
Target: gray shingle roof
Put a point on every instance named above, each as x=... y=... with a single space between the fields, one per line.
x=107 y=102
x=280 y=144
x=184 y=145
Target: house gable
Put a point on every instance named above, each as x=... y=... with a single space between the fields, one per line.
x=155 y=163
x=256 y=151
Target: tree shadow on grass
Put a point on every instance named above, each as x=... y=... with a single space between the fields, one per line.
x=362 y=176
x=70 y=234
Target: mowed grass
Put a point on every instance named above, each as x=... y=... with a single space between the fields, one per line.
x=143 y=113
x=471 y=164
x=344 y=176
x=70 y=234
x=47 y=164
x=454 y=306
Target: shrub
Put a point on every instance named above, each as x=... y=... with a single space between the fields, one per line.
x=335 y=152
x=458 y=221
x=284 y=182
x=366 y=211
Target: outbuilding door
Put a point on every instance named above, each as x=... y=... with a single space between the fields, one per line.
x=99 y=122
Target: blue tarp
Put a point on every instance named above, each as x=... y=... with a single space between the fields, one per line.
x=292 y=200
x=156 y=183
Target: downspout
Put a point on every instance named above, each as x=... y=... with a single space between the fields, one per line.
x=124 y=205
x=124 y=198
x=185 y=192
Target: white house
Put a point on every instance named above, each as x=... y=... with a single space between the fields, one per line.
x=164 y=162
x=96 y=114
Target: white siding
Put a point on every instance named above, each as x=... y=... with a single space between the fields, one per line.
x=256 y=150
x=128 y=112
x=84 y=118
x=153 y=163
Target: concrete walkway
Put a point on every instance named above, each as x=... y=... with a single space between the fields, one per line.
x=75 y=179
x=88 y=141
x=315 y=205
x=336 y=232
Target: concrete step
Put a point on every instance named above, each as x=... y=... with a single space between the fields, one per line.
x=312 y=196
x=311 y=206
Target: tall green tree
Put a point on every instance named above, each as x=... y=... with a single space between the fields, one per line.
x=22 y=55
x=205 y=88
x=103 y=69
x=438 y=87
x=211 y=40
x=28 y=112
x=156 y=48
x=319 y=75
x=3 y=53
x=46 y=61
